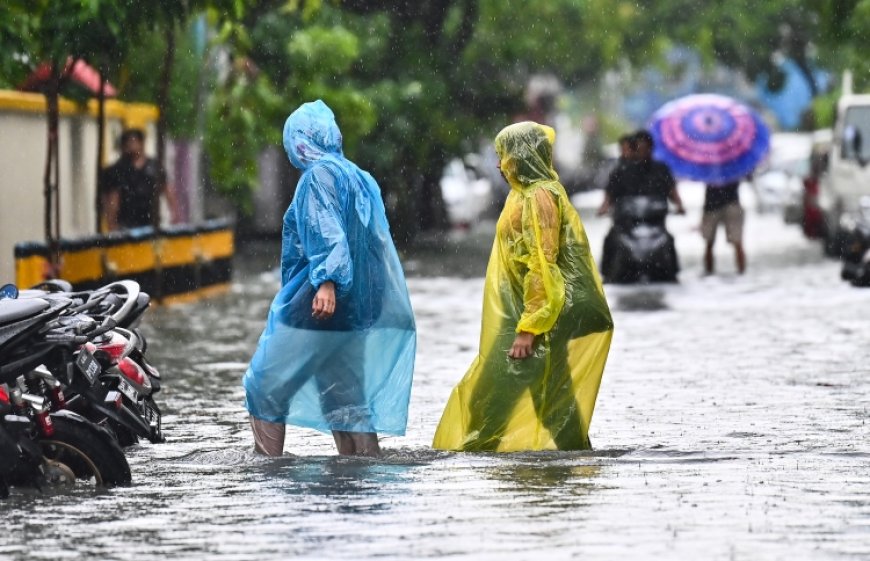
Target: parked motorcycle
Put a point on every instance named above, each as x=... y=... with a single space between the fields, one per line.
x=46 y=446
x=75 y=385
x=115 y=356
x=638 y=248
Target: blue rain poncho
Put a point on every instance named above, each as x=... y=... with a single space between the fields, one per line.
x=353 y=371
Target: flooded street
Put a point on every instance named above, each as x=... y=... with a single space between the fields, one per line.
x=731 y=424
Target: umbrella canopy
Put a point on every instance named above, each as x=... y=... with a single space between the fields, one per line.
x=710 y=138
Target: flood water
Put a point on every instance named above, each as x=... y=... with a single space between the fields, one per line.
x=732 y=424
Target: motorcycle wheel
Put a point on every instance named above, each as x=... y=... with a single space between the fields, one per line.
x=89 y=451
x=58 y=474
x=62 y=458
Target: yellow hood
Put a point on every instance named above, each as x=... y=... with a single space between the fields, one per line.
x=525 y=152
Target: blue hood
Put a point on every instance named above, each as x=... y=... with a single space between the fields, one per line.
x=310 y=133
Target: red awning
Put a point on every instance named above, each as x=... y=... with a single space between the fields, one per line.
x=76 y=70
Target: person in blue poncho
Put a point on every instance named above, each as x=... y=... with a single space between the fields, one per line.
x=337 y=353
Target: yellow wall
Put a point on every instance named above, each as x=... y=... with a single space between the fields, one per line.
x=22 y=161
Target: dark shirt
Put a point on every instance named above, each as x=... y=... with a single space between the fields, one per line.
x=139 y=189
x=647 y=178
x=720 y=196
x=616 y=177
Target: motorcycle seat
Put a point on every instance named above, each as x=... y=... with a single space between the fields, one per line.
x=15 y=310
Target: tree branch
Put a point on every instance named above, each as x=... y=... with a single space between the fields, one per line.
x=466 y=29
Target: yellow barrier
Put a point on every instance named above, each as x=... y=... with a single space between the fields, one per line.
x=179 y=264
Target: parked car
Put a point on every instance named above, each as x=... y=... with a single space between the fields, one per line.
x=778 y=181
x=847 y=180
x=812 y=217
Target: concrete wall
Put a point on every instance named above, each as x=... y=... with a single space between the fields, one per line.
x=22 y=162
x=274 y=192
x=22 y=148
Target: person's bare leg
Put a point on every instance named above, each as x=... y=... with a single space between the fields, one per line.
x=708 y=259
x=268 y=437
x=356 y=443
x=344 y=442
x=366 y=444
x=740 y=257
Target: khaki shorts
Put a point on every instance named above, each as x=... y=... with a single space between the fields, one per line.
x=730 y=215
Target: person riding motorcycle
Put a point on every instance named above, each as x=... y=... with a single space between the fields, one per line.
x=636 y=175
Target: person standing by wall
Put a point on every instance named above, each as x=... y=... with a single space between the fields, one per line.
x=131 y=188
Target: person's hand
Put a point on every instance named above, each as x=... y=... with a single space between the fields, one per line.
x=522 y=347
x=323 y=305
x=602 y=210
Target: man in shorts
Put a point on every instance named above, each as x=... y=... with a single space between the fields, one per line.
x=722 y=206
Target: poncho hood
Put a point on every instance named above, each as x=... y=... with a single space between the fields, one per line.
x=310 y=133
x=525 y=151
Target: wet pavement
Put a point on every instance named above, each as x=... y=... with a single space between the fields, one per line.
x=731 y=424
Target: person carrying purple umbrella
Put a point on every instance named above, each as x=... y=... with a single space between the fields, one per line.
x=718 y=141
x=722 y=207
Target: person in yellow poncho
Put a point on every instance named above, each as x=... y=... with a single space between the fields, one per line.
x=546 y=326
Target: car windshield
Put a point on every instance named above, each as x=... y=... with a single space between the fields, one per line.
x=856 y=133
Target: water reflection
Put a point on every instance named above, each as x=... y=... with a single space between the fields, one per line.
x=544 y=477
x=334 y=476
x=640 y=299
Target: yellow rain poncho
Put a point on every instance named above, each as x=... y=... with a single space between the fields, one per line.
x=540 y=279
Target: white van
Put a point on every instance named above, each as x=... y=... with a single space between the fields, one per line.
x=847 y=180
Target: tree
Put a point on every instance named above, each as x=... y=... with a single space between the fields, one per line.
x=741 y=34
x=454 y=71
x=844 y=34
x=52 y=33
x=15 y=31
x=245 y=110
x=413 y=83
x=438 y=76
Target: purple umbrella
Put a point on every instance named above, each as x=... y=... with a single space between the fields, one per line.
x=710 y=138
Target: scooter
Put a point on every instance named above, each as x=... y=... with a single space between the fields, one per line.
x=114 y=383
x=125 y=369
x=50 y=446
x=638 y=248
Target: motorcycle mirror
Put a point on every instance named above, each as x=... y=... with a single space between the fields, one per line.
x=9 y=291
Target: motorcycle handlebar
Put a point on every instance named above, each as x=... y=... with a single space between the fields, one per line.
x=132 y=290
